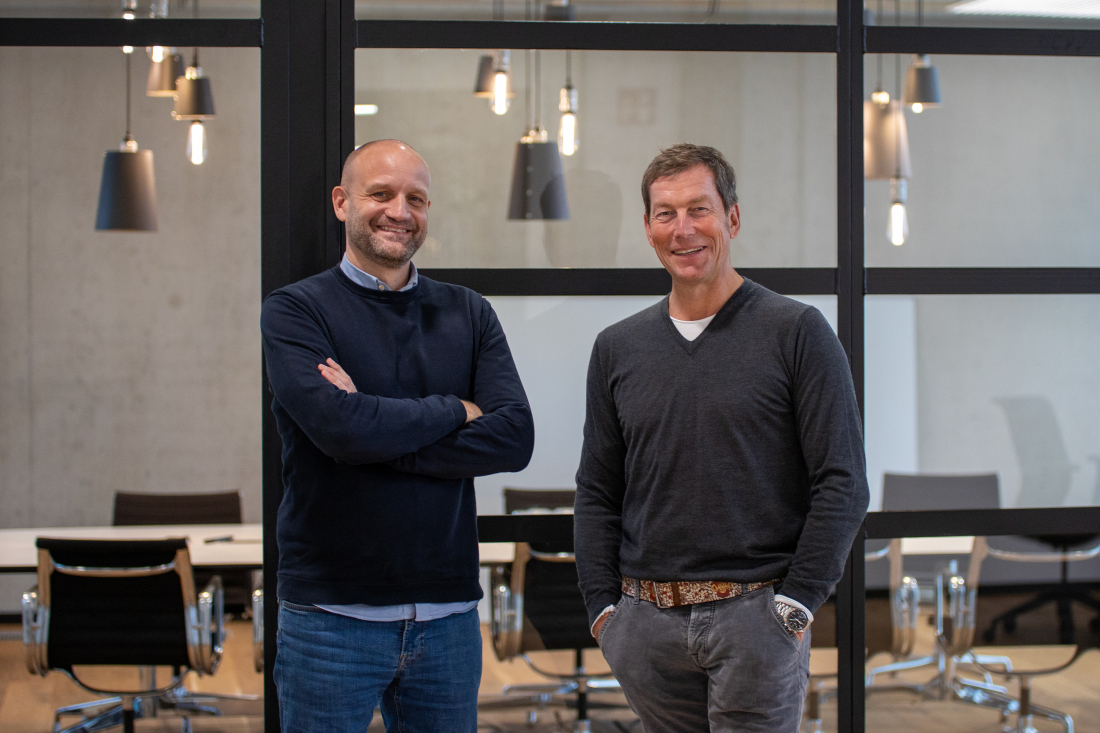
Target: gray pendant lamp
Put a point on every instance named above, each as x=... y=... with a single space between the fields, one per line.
x=163 y=75
x=922 y=81
x=885 y=141
x=483 y=85
x=127 y=189
x=194 y=99
x=922 y=85
x=538 y=186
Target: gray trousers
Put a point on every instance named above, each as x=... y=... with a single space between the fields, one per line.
x=728 y=665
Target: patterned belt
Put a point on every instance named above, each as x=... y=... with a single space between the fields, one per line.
x=685 y=593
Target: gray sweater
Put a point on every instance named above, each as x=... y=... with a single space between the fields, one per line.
x=737 y=456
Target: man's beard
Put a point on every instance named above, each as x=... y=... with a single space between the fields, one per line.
x=374 y=248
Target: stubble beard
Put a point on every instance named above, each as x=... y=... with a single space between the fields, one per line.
x=373 y=247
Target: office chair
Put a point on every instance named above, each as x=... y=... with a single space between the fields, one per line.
x=1046 y=474
x=134 y=509
x=537 y=605
x=119 y=602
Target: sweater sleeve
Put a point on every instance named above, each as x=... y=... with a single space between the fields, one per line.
x=354 y=428
x=830 y=431
x=499 y=441
x=601 y=485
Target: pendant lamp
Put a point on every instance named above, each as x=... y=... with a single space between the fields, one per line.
x=163 y=75
x=538 y=186
x=567 y=105
x=483 y=84
x=922 y=85
x=127 y=189
x=922 y=81
x=885 y=141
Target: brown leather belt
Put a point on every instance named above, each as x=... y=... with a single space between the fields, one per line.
x=685 y=593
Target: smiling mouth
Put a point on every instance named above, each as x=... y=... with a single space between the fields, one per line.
x=394 y=230
x=687 y=251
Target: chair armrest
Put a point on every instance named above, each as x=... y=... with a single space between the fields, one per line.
x=506 y=605
x=36 y=629
x=211 y=626
x=1014 y=556
x=258 y=629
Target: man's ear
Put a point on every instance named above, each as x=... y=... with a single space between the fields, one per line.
x=734 y=221
x=340 y=203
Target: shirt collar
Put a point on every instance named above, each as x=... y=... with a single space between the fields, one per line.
x=367 y=280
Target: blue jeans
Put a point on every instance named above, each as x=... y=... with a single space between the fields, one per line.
x=332 y=671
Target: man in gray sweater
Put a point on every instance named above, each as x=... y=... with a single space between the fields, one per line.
x=722 y=478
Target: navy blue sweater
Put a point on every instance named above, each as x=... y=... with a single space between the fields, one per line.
x=379 y=501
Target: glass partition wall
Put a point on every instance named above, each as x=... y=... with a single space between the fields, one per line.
x=962 y=324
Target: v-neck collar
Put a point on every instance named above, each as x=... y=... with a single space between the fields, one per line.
x=724 y=315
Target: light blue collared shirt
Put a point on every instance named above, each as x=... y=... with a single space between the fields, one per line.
x=368 y=280
x=404 y=611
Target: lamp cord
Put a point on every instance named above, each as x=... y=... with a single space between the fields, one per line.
x=128 y=55
x=568 y=68
x=878 y=78
x=527 y=92
x=195 y=13
x=538 y=90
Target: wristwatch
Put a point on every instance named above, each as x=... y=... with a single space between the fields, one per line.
x=795 y=619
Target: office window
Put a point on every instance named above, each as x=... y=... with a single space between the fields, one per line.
x=130 y=361
x=1003 y=173
x=773 y=115
x=987 y=383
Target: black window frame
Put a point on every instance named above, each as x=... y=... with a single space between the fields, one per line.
x=307 y=127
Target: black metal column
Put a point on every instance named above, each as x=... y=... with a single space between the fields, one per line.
x=850 y=593
x=307 y=96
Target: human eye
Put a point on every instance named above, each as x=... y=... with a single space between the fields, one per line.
x=663 y=216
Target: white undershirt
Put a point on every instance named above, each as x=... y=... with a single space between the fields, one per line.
x=691 y=329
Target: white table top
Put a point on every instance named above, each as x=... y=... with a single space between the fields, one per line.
x=245 y=549
x=937 y=545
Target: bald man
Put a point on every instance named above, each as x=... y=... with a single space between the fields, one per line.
x=391 y=393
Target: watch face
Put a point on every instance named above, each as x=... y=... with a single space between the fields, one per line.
x=797 y=620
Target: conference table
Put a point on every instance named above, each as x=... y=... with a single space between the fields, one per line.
x=237 y=546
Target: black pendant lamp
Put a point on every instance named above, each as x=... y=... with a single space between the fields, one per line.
x=922 y=81
x=127 y=189
x=194 y=98
x=483 y=85
x=538 y=186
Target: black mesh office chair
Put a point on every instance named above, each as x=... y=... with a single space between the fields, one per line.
x=537 y=605
x=119 y=602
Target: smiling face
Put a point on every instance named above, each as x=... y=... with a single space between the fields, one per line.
x=383 y=201
x=689 y=229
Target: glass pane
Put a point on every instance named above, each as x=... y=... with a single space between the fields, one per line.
x=114 y=9
x=1002 y=173
x=948 y=605
x=773 y=115
x=814 y=12
x=551 y=340
x=129 y=361
x=984 y=384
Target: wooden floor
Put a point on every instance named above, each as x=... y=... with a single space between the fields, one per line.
x=27 y=703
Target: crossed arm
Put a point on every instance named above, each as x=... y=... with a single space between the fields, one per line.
x=336 y=375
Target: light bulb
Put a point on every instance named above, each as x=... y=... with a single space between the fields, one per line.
x=898 y=228
x=127 y=15
x=567 y=134
x=157 y=55
x=196 y=143
x=880 y=97
x=918 y=108
x=500 y=92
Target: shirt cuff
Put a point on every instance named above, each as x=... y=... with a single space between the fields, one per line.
x=796 y=604
x=603 y=614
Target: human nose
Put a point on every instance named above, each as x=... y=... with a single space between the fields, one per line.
x=684 y=225
x=398 y=208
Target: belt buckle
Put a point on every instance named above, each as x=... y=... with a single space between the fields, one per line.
x=657 y=595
